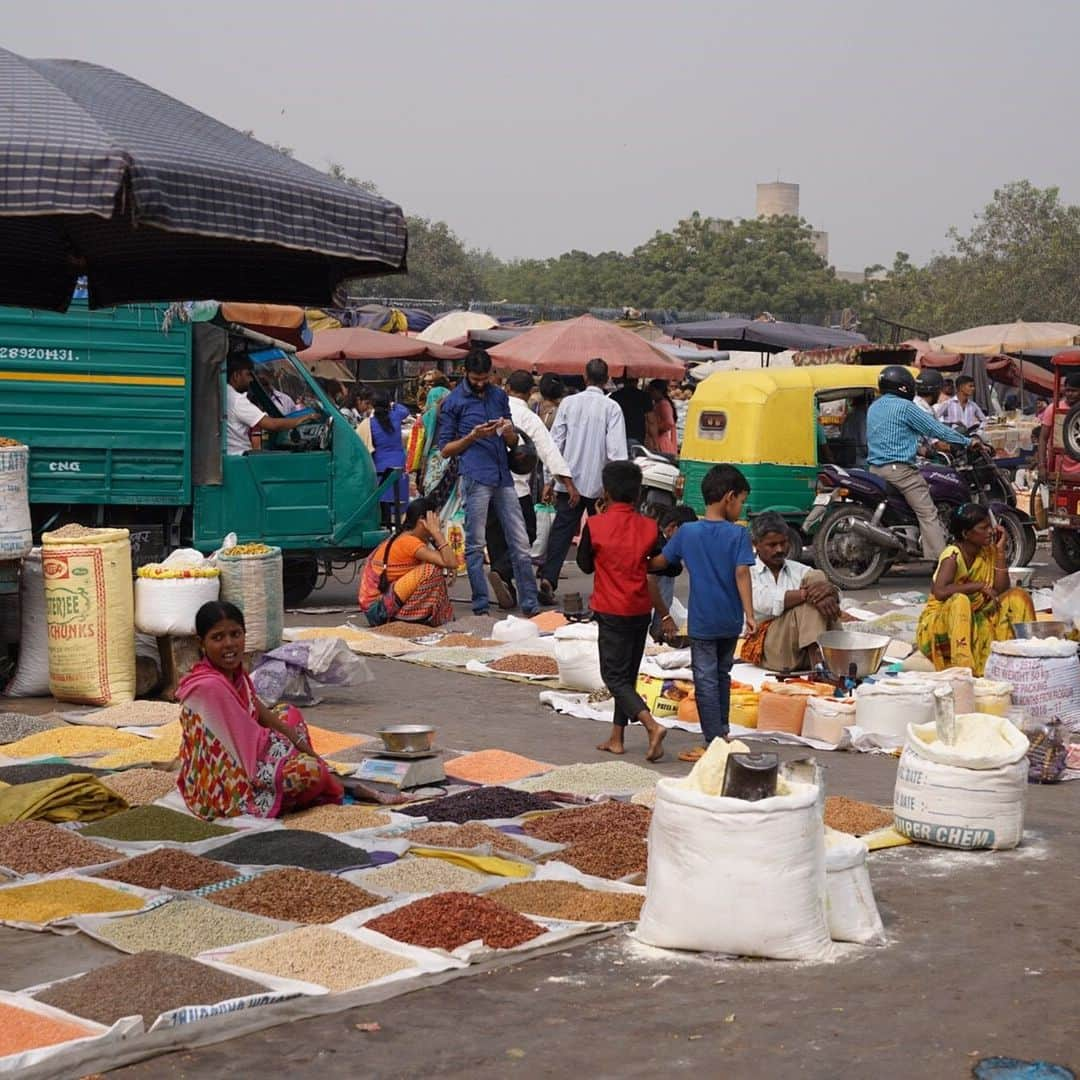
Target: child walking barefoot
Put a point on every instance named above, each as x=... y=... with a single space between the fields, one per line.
x=615 y=547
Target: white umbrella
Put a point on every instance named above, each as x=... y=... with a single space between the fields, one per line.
x=454 y=325
x=1007 y=338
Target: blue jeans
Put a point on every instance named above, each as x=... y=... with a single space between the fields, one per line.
x=504 y=501
x=667 y=594
x=711 y=660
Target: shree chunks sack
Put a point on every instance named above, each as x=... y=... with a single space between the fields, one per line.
x=90 y=614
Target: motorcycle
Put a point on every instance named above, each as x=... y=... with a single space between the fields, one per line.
x=861 y=526
x=662 y=483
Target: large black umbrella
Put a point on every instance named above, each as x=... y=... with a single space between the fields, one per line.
x=753 y=335
x=103 y=176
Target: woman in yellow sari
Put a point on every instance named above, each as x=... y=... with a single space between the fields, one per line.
x=972 y=604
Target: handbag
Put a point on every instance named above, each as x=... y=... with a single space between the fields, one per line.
x=523 y=456
x=414 y=450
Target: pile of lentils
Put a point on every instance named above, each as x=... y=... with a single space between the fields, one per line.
x=36 y=847
x=44 y=770
x=614 y=855
x=292 y=847
x=421 y=875
x=317 y=954
x=169 y=868
x=303 y=896
x=568 y=900
x=854 y=817
x=466 y=837
x=525 y=664
x=587 y=822
x=58 y=898
x=452 y=919
x=140 y=787
x=479 y=805
x=155 y=823
x=186 y=928
x=598 y=778
x=21 y=1030
x=336 y=819
x=145 y=985
x=15 y=726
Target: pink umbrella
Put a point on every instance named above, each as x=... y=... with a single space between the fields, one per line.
x=566 y=347
x=359 y=343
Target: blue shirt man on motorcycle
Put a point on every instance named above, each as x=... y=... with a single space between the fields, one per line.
x=894 y=426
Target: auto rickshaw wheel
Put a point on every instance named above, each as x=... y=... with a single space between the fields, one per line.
x=1065 y=547
x=299 y=574
x=1070 y=433
x=848 y=560
x=1020 y=540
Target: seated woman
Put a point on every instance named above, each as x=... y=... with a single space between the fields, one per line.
x=405 y=577
x=236 y=755
x=972 y=604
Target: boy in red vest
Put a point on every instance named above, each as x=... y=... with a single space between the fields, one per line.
x=615 y=547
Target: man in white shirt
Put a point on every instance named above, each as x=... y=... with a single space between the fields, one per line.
x=519 y=387
x=589 y=431
x=962 y=409
x=793 y=604
x=281 y=401
x=242 y=415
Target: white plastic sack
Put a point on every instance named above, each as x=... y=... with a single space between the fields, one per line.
x=886 y=708
x=825 y=718
x=850 y=906
x=32 y=674
x=308 y=672
x=514 y=629
x=736 y=877
x=959 y=679
x=1046 y=682
x=165 y=606
x=578 y=656
x=16 y=538
x=981 y=742
x=545 y=518
x=1066 y=600
x=959 y=808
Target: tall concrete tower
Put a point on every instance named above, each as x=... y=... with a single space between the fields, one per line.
x=778 y=200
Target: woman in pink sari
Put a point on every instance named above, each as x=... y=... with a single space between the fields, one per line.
x=237 y=756
x=663 y=437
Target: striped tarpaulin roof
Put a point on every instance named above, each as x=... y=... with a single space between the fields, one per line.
x=154 y=200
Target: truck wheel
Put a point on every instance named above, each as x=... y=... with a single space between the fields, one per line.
x=1065 y=547
x=299 y=575
x=848 y=560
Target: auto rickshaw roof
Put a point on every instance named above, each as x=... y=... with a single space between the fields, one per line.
x=1067 y=358
x=758 y=385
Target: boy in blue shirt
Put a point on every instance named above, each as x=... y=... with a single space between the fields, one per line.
x=718 y=555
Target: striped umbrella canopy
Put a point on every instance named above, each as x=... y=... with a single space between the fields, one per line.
x=565 y=347
x=105 y=177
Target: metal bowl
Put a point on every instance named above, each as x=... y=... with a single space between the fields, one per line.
x=842 y=648
x=1040 y=629
x=407 y=737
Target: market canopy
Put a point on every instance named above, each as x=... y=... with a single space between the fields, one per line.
x=1007 y=338
x=105 y=177
x=455 y=324
x=359 y=343
x=762 y=334
x=565 y=347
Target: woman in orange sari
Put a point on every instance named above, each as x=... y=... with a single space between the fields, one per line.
x=236 y=755
x=972 y=603
x=406 y=576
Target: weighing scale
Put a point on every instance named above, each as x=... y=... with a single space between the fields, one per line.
x=401 y=769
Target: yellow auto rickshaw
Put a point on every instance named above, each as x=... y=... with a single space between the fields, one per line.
x=777 y=425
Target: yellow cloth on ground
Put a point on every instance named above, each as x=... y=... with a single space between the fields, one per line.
x=75 y=797
x=958 y=632
x=486 y=864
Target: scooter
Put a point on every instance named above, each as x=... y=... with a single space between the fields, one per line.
x=861 y=525
x=662 y=484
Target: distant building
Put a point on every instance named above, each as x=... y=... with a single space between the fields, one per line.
x=780 y=199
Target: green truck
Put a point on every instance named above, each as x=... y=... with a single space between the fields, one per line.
x=125 y=421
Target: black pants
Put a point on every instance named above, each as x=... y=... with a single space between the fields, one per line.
x=498 y=552
x=622 y=645
x=563 y=530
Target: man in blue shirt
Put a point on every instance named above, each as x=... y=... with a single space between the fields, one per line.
x=894 y=426
x=475 y=425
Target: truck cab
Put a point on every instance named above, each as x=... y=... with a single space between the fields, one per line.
x=124 y=414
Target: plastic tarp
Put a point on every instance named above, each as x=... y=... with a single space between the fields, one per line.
x=765 y=335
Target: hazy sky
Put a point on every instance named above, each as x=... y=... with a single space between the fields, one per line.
x=536 y=127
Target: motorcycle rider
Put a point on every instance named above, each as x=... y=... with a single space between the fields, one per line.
x=928 y=386
x=894 y=426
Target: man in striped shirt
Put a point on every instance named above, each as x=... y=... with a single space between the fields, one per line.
x=894 y=425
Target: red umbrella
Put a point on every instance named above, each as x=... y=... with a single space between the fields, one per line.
x=359 y=343
x=566 y=347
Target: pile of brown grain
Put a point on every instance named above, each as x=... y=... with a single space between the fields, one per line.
x=854 y=817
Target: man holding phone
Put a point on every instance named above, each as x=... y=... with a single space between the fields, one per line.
x=475 y=426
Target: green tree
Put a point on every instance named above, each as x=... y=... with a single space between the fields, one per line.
x=1018 y=261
